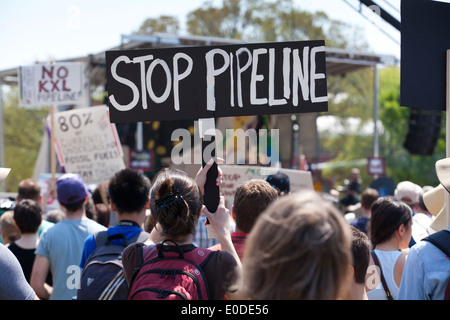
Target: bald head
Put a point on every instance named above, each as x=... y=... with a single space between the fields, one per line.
x=28 y=189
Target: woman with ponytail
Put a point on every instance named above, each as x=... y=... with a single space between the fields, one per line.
x=390 y=233
x=176 y=203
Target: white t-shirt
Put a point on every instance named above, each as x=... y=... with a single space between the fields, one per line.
x=387 y=261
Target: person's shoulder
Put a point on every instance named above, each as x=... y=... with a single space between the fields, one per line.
x=54 y=229
x=132 y=255
x=426 y=250
x=46 y=224
x=133 y=250
x=96 y=227
x=4 y=251
x=224 y=259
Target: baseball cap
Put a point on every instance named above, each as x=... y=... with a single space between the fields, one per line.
x=70 y=188
x=280 y=181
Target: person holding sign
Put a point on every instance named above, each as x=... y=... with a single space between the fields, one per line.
x=176 y=203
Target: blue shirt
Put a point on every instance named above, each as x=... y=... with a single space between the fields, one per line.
x=90 y=245
x=62 y=245
x=426 y=273
x=361 y=224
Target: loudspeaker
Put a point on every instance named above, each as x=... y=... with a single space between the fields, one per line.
x=424 y=128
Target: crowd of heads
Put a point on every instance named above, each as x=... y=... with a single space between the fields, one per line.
x=298 y=244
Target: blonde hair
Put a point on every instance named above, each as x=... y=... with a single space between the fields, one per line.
x=300 y=248
x=8 y=229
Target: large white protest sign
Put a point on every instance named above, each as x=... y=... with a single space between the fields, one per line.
x=87 y=143
x=234 y=175
x=51 y=84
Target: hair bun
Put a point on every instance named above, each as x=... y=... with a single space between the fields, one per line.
x=165 y=187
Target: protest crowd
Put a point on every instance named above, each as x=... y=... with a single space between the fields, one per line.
x=272 y=244
x=114 y=233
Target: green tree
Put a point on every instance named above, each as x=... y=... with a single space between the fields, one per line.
x=401 y=165
x=228 y=21
x=166 y=24
x=264 y=20
x=23 y=129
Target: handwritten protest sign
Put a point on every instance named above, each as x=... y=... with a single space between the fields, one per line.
x=86 y=143
x=234 y=175
x=51 y=84
x=209 y=82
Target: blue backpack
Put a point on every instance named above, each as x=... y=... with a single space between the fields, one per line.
x=102 y=277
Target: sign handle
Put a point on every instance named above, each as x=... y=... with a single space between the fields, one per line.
x=52 y=151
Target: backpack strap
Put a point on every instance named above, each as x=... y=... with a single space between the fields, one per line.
x=441 y=240
x=383 y=281
x=101 y=238
x=161 y=250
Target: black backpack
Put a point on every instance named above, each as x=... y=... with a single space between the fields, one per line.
x=102 y=277
x=441 y=240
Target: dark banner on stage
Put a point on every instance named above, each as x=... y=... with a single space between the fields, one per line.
x=424 y=41
x=185 y=83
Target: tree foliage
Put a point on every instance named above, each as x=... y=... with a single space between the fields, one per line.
x=23 y=130
x=265 y=20
x=166 y=24
x=394 y=119
x=401 y=165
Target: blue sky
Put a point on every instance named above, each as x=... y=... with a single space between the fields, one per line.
x=43 y=30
